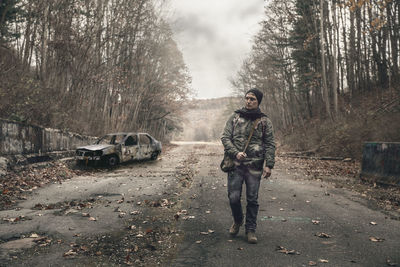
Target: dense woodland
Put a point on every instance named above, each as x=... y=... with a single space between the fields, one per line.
x=325 y=61
x=92 y=66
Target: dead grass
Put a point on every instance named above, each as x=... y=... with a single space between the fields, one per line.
x=369 y=118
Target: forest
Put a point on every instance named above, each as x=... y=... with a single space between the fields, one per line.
x=91 y=67
x=330 y=72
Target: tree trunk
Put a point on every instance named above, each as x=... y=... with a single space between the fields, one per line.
x=324 y=88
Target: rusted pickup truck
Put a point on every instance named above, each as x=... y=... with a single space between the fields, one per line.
x=115 y=148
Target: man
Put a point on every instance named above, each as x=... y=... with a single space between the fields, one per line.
x=250 y=165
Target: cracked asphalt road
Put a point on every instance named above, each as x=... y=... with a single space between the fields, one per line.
x=175 y=212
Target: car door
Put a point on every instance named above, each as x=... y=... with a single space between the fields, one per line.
x=130 y=148
x=144 y=146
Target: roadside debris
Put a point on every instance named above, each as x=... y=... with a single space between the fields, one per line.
x=22 y=180
x=16 y=219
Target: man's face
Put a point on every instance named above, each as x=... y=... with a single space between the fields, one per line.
x=251 y=101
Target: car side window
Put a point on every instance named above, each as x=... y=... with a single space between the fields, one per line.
x=131 y=141
x=144 y=140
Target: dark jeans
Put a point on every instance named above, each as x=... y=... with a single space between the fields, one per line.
x=235 y=181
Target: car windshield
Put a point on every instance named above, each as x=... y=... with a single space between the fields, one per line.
x=111 y=139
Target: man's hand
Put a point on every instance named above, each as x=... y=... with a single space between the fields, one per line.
x=266 y=173
x=241 y=156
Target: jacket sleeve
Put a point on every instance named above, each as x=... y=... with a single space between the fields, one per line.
x=226 y=138
x=269 y=142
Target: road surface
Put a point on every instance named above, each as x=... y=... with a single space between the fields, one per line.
x=175 y=212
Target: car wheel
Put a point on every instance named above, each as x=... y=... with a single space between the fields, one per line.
x=154 y=156
x=112 y=161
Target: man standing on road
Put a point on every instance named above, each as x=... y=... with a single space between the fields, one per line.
x=250 y=165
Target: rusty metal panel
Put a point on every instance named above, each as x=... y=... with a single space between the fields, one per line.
x=381 y=162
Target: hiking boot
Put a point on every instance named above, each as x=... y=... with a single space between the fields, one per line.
x=234 y=230
x=251 y=237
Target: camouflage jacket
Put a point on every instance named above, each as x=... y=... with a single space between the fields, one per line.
x=261 y=146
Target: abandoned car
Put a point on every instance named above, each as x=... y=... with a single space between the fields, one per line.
x=115 y=148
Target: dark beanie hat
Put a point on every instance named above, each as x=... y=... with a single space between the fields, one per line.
x=257 y=93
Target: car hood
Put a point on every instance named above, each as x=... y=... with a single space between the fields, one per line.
x=95 y=147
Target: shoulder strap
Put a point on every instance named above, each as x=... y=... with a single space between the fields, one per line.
x=251 y=134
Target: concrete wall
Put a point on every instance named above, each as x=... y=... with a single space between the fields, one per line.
x=381 y=162
x=17 y=138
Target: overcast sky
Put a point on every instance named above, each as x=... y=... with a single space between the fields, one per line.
x=215 y=36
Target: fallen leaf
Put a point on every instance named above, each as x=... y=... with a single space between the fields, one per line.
x=69 y=253
x=312 y=263
x=323 y=235
x=211 y=231
x=204 y=233
x=135 y=212
x=323 y=260
x=390 y=263
x=198 y=241
x=34 y=235
x=373 y=223
x=85 y=215
x=281 y=249
x=376 y=239
x=92 y=219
